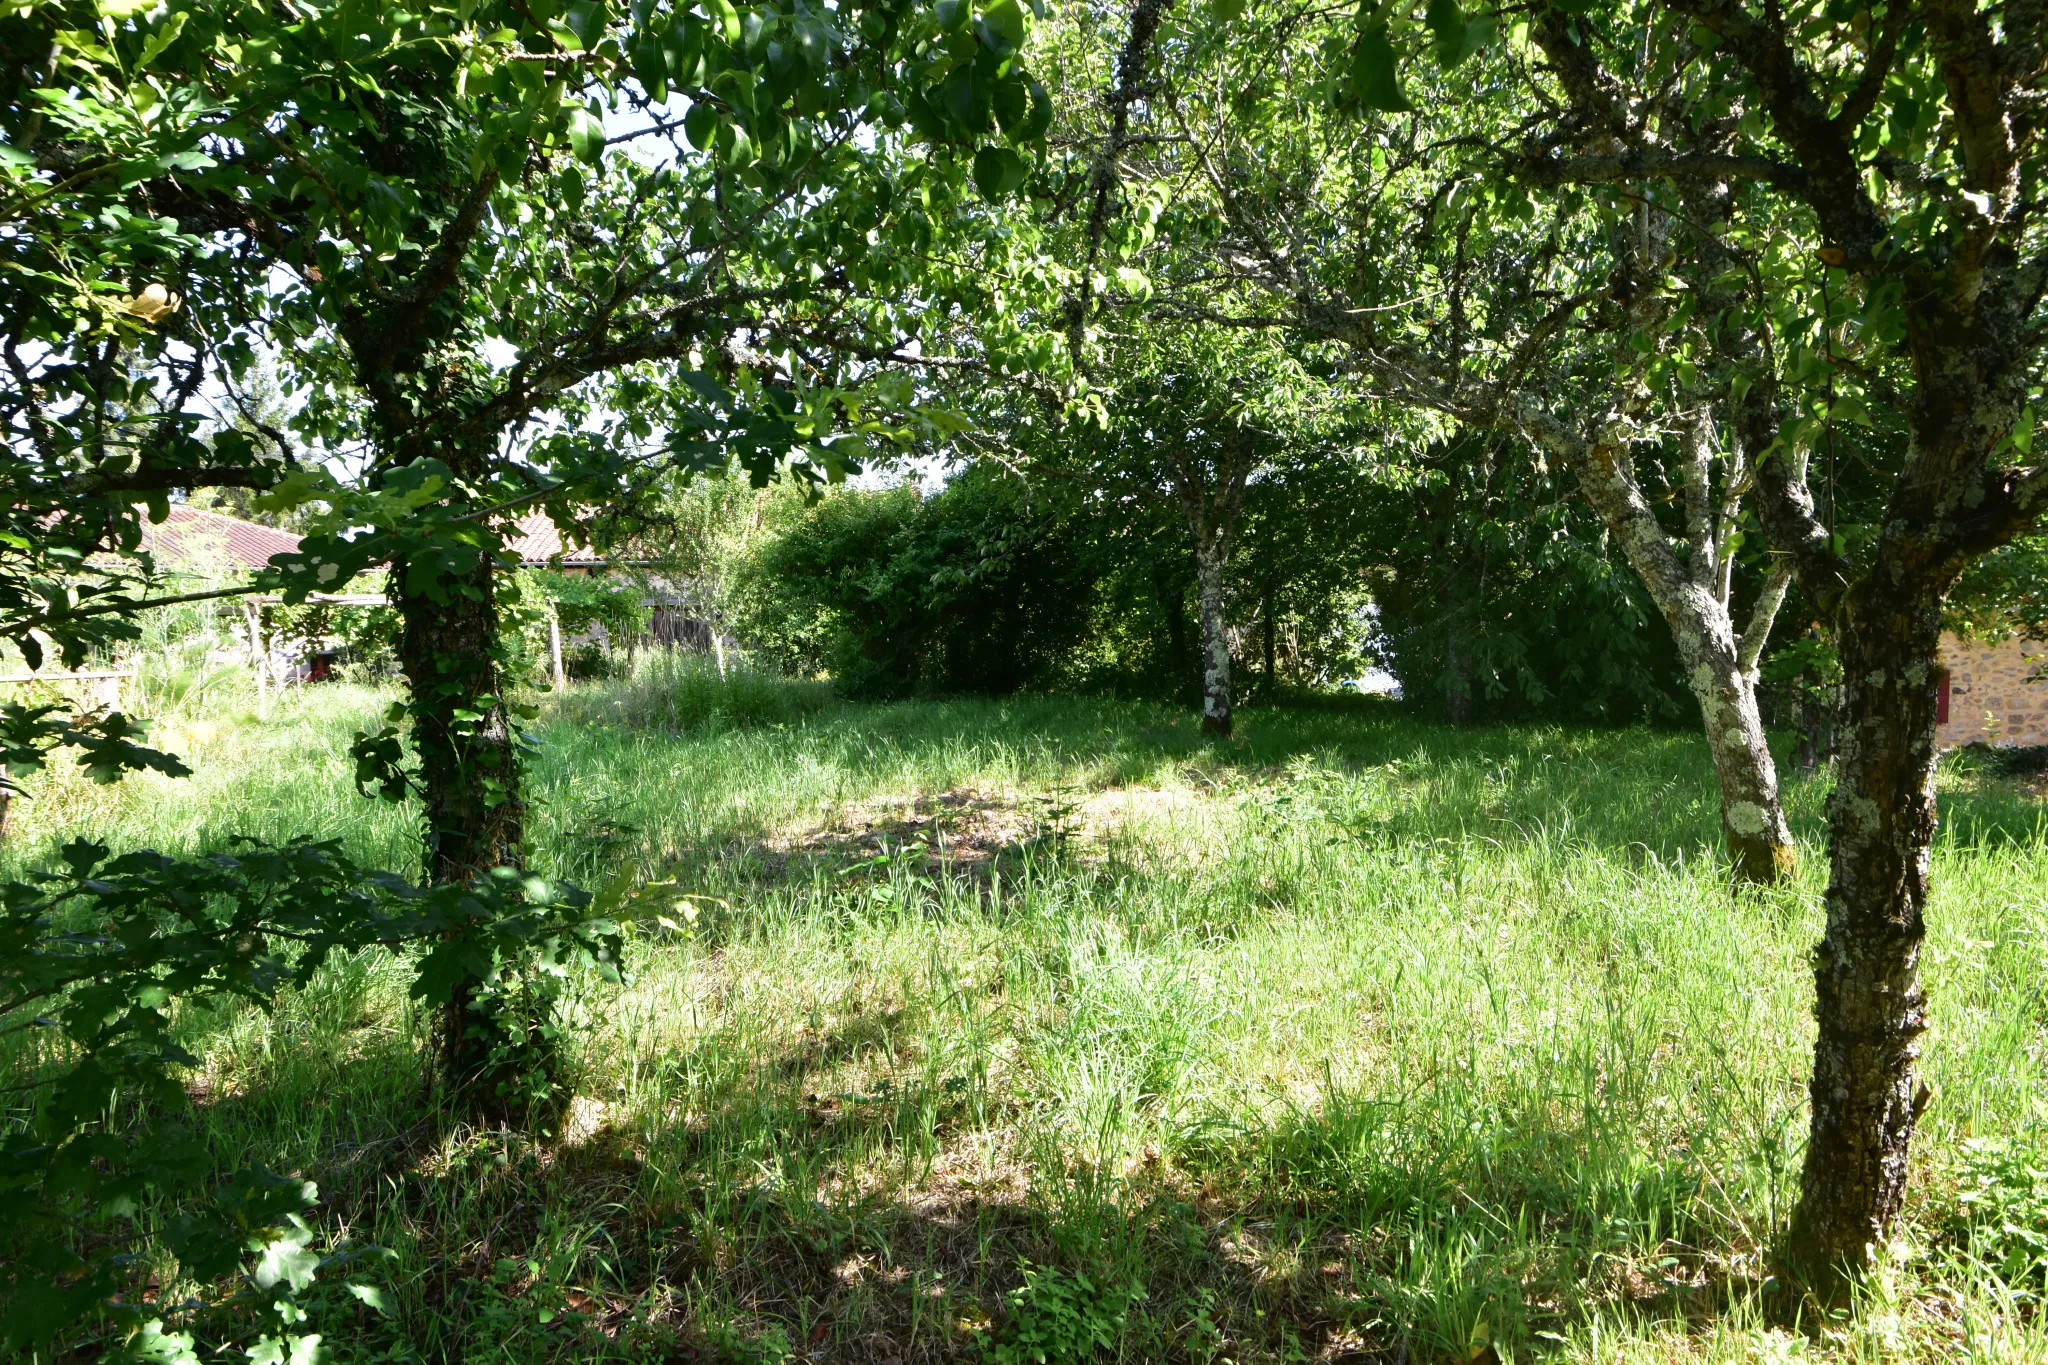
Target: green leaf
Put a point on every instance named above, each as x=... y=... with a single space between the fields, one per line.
x=1039 y=121
x=1457 y=37
x=1228 y=10
x=726 y=17
x=373 y=1296
x=1001 y=27
x=287 y=1260
x=153 y=1343
x=586 y=135
x=1849 y=408
x=650 y=67
x=1373 y=73
x=162 y=39
x=587 y=21
x=997 y=172
x=1012 y=104
x=700 y=125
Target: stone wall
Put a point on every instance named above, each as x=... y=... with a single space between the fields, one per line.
x=1989 y=695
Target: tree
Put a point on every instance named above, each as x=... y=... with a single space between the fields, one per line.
x=1398 y=239
x=382 y=199
x=1198 y=416
x=1856 y=185
x=1875 y=164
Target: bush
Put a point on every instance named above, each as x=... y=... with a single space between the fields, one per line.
x=96 y=961
x=683 y=692
x=986 y=586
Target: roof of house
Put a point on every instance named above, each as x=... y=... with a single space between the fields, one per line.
x=190 y=535
x=536 y=540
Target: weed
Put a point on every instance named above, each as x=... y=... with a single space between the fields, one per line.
x=2004 y=1207
x=1059 y=1317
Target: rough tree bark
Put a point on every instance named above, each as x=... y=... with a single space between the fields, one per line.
x=1211 y=496
x=1949 y=505
x=1868 y=1002
x=1209 y=567
x=1968 y=284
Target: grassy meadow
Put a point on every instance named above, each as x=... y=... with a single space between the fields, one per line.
x=1047 y=1029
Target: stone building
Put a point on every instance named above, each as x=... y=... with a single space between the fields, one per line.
x=1997 y=693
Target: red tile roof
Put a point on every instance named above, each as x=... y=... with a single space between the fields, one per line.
x=193 y=536
x=536 y=540
x=190 y=536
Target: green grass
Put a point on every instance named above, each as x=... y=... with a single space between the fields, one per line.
x=1042 y=1024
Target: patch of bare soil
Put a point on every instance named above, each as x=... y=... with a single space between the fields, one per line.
x=966 y=829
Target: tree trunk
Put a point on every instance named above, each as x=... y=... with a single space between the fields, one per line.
x=1266 y=691
x=1693 y=594
x=1868 y=1003
x=1215 y=639
x=468 y=776
x=1457 y=674
x=1752 y=821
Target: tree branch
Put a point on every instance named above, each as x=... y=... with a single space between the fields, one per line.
x=1749 y=650
x=1656 y=163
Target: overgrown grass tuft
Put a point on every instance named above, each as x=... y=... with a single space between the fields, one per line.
x=688 y=693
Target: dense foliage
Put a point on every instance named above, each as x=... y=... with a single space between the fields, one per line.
x=1563 y=356
x=993 y=583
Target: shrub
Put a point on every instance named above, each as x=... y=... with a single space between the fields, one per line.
x=983 y=587
x=97 y=959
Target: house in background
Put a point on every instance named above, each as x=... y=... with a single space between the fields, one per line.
x=190 y=541
x=197 y=542
x=538 y=543
x=671 y=618
x=1992 y=693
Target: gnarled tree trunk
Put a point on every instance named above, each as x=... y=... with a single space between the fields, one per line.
x=1693 y=593
x=1723 y=681
x=1868 y=1003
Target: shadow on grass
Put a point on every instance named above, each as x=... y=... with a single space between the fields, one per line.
x=919 y=1220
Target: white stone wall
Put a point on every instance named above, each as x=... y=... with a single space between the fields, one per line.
x=1990 y=695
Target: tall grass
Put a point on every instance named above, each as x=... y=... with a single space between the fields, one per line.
x=684 y=692
x=1356 y=1038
